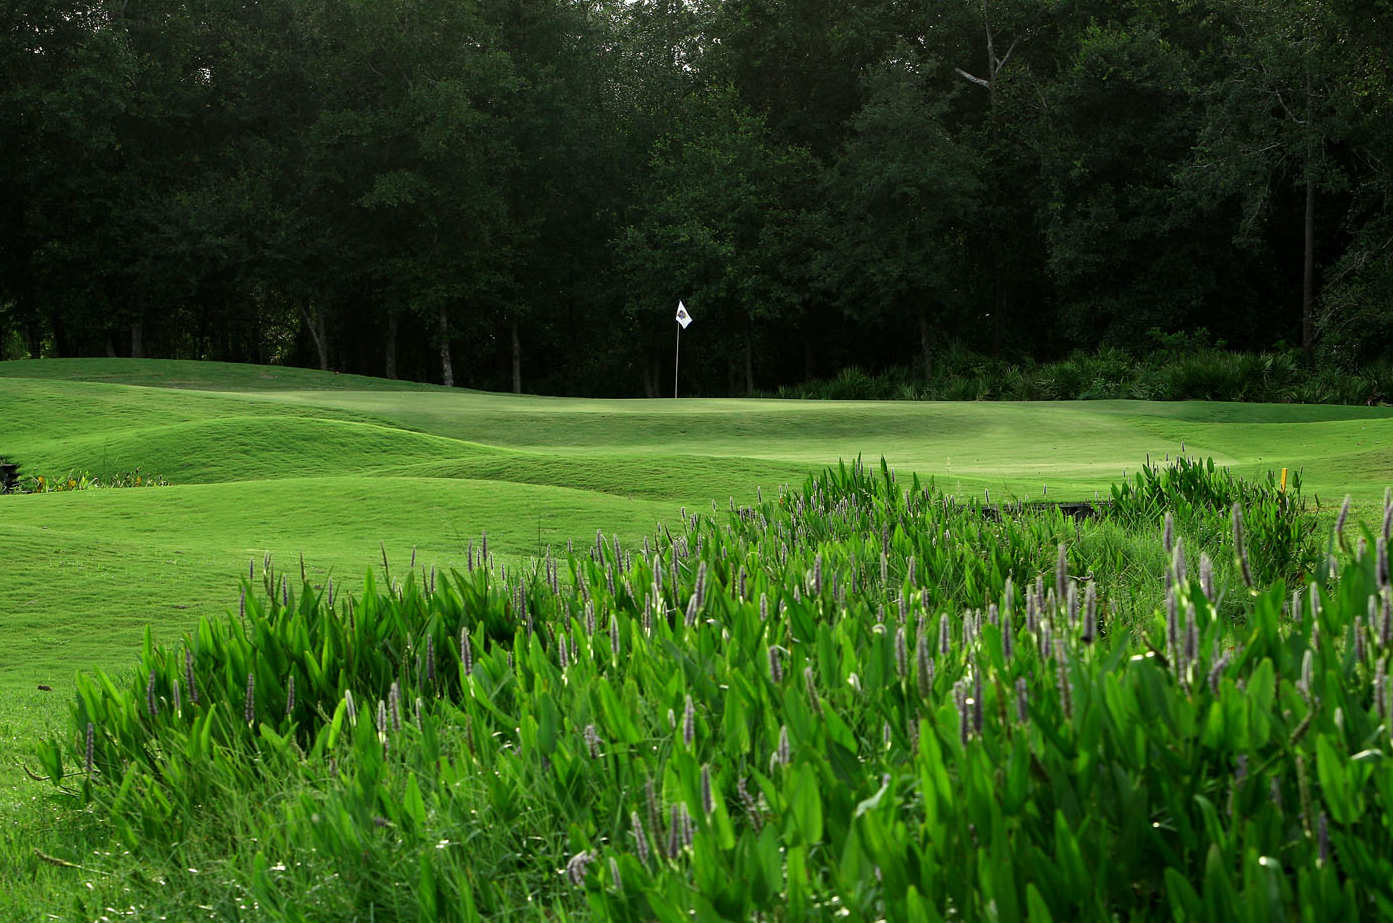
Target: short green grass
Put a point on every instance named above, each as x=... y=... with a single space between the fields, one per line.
x=291 y=461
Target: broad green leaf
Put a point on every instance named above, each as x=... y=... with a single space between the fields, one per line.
x=806 y=802
x=1344 y=803
x=412 y=802
x=427 y=898
x=1037 y=911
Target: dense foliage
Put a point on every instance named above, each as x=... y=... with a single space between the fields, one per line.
x=85 y=480
x=863 y=698
x=1191 y=373
x=515 y=194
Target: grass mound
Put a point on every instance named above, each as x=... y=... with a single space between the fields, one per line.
x=185 y=374
x=246 y=447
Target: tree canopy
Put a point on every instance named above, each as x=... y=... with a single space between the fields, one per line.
x=514 y=194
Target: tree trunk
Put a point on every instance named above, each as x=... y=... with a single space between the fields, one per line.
x=809 y=365
x=991 y=67
x=110 y=346
x=749 y=363
x=998 y=306
x=517 y=358
x=201 y=338
x=650 y=388
x=447 y=371
x=137 y=340
x=1308 y=264
x=993 y=245
x=315 y=325
x=998 y=291
x=61 y=346
x=321 y=339
x=926 y=346
x=393 y=321
x=1308 y=283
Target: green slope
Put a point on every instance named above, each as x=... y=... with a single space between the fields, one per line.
x=88 y=570
x=197 y=376
x=244 y=447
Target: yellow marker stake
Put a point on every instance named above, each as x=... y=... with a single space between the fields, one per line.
x=1284 y=480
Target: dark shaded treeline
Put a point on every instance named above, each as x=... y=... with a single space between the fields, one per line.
x=515 y=193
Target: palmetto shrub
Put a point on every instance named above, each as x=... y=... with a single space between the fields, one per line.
x=1211 y=375
x=1196 y=372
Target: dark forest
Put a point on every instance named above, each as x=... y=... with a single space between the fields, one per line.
x=514 y=194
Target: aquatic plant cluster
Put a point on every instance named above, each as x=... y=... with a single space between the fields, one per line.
x=858 y=699
x=85 y=480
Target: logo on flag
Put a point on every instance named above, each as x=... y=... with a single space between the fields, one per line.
x=683 y=317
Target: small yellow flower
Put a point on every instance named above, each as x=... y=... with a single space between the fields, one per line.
x=71 y=483
x=137 y=480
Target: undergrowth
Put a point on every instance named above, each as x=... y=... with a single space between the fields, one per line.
x=48 y=484
x=1206 y=373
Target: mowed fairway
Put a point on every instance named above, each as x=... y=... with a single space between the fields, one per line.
x=288 y=461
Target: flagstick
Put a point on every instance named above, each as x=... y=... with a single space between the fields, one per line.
x=677 y=359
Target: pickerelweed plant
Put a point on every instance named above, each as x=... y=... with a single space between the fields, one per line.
x=860 y=699
x=42 y=484
x=1198 y=498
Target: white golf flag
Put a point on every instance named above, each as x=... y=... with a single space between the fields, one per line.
x=683 y=317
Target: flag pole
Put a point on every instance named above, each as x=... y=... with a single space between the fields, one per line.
x=683 y=319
